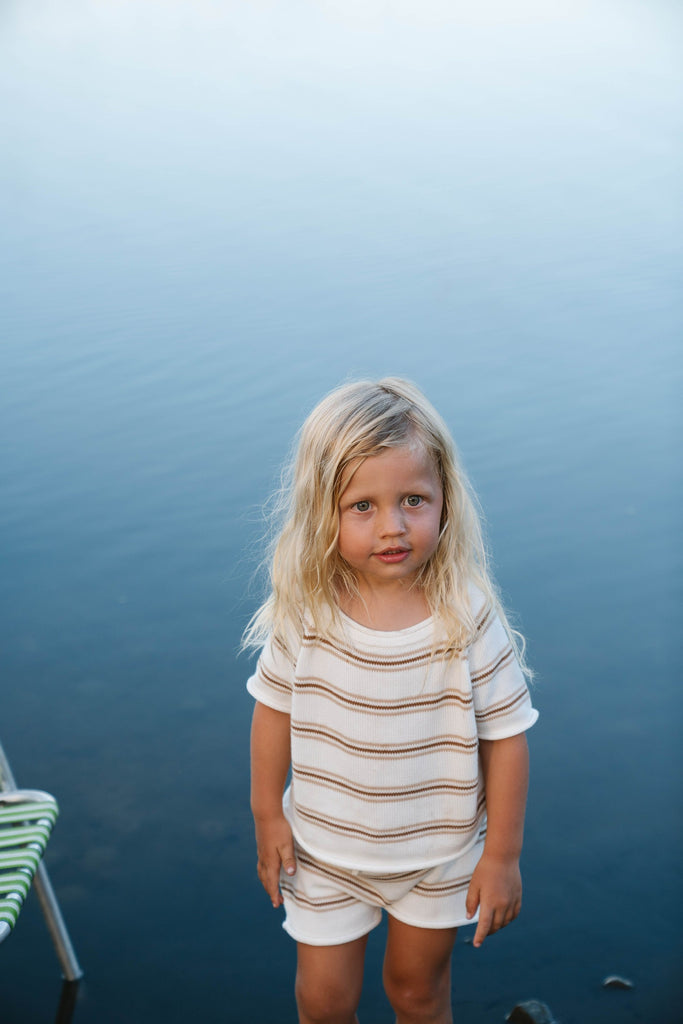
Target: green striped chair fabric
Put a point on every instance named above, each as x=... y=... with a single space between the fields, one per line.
x=26 y=820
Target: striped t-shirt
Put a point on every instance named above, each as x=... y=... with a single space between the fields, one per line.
x=384 y=739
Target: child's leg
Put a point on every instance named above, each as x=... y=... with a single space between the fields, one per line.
x=417 y=973
x=329 y=981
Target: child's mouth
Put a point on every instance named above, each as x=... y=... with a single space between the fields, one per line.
x=392 y=555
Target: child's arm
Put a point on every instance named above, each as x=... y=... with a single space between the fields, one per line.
x=270 y=757
x=496 y=886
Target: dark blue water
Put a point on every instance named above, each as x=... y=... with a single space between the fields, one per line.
x=212 y=214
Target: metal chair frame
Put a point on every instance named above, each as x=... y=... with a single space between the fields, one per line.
x=41 y=883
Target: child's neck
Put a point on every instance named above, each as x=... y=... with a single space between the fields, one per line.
x=386 y=610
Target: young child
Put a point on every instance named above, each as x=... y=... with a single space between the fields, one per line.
x=393 y=688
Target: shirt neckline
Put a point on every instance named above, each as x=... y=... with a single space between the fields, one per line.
x=390 y=635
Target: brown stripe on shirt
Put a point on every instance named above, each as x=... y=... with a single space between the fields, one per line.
x=321 y=687
x=382 y=793
x=273 y=681
x=425 y=656
x=501 y=660
x=383 y=750
x=503 y=708
x=341 y=826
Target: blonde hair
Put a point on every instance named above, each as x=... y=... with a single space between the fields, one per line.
x=307 y=573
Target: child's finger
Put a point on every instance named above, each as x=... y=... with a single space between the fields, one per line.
x=272 y=885
x=287 y=857
x=269 y=876
x=483 y=928
x=472 y=900
x=513 y=913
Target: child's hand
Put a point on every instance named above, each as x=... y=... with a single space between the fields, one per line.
x=275 y=847
x=496 y=888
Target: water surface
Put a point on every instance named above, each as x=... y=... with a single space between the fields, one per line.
x=213 y=214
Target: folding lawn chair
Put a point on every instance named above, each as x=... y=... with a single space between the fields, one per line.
x=26 y=820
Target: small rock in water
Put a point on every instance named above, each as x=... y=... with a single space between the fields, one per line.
x=531 y=1012
x=616 y=981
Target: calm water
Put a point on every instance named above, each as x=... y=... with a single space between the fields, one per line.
x=212 y=213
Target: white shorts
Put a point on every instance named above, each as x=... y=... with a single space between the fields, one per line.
x=327 y=905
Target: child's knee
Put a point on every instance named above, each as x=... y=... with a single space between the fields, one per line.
x=324 y=1003
x=417 y=996
x=415 y=1004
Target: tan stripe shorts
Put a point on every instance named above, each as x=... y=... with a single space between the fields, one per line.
x=326 y=905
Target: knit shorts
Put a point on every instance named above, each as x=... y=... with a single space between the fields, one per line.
x=327 y=905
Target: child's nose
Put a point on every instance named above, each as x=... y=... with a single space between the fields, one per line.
x=392 y=522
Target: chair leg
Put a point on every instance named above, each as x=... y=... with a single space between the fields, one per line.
x=55 y=924
x=48 y=900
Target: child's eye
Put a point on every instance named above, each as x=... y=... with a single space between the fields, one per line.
x=361 y=506
x=413 y=500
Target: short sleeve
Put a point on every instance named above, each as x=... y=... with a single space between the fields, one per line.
x=272 y=680
x=502 y=704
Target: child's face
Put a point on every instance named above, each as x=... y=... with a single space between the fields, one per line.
x=390 y=516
